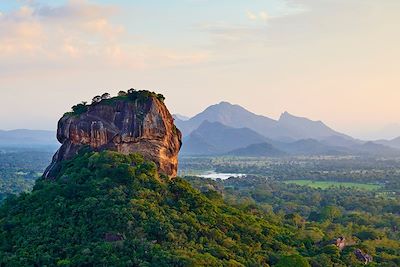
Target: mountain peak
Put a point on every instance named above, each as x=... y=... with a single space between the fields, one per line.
x=285 y=115
x=225 y=103
x=224 y=106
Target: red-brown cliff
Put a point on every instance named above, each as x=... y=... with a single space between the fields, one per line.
x=138 y=122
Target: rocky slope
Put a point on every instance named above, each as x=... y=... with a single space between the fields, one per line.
x=137 y=122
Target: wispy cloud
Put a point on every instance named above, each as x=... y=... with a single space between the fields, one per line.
x=75 y=9
x=261 y=16
x=78 y=33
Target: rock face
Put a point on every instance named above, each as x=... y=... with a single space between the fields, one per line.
x=142 y=126
x=361 y=256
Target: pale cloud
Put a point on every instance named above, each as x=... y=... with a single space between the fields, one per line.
x=251 y=15
x=75 y=9
x=311 y=20
x=78 y=34
x=261 y=16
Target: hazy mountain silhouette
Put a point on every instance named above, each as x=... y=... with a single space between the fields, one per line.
x=258 y=150
x=287 y=128
x=310 y=147
x=216 y=138
x=394 y=143
x=303 y=128
x=341 y=141
x=28 y=138
x=229 y=115
x=372 y=148
x=315 y=147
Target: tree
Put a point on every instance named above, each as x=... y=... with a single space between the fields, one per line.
x=80 y=108
x=331 y=250
x=105 y=96
x=160 y=97
x=293 y=260
x=96 y=99
x=322 y=260
x=131 y=91
x=368 y=234
x=122 y=93
x=295 y=219
x=330 y=213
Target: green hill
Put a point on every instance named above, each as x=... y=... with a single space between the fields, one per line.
x=109 y=209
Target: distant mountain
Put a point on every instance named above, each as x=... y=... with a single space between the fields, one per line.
x=258 y=150
x=394 y=143
x=230 y=115
x=340 y=141
x=216 y=138
x=287 y=128
x=372 y=148
x=180 y=117
x=28 y=138
x=303 y=128
x=310 y=147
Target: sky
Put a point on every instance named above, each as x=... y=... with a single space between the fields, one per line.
x=332 y=60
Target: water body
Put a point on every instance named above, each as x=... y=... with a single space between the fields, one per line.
x=223 y=176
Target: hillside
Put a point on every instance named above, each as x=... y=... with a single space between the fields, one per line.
x=257 y=150
x=394 y=143
x=305 y=128
x=310 y=147
x=213 y=138
x=105 y=208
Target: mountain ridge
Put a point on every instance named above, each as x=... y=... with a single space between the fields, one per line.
x=216 y=139
x=258 y=150
x=28 y=138
x=287 y=128
x=213 y=138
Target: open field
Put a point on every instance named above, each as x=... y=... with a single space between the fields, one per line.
x=328 y=184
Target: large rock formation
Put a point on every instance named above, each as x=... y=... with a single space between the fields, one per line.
x=135 y=123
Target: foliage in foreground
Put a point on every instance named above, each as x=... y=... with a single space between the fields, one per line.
x=318 y=217
x=108 y=209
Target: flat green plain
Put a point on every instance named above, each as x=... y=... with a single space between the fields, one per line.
x=328 y=184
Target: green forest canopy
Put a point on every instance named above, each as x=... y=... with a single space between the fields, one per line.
x=110 y=209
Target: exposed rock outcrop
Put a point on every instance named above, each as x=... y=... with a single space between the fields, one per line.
x=364 y=257
x=340 y=243
x=134 y=123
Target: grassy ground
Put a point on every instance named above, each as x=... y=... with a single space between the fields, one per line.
x=327 y=184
